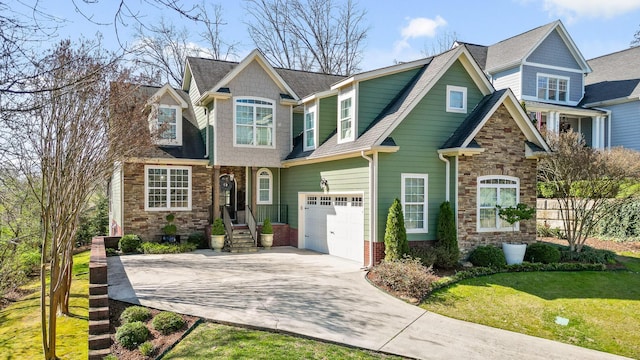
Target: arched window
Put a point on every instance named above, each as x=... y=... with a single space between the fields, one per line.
x=265 y=186
x=493 y=191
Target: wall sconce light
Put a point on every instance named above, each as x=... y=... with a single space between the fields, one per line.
x=231 y=177
x=324 y=184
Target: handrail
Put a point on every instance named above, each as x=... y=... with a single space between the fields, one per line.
x=251 y=223
x=228 y=226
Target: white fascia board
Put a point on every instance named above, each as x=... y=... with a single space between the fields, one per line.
x=318 y=95
x=380 y=72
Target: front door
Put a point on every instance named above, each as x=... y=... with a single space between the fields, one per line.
x=228 y=196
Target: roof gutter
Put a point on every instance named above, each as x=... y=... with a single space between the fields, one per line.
x=355 y=153
x=373 y=191
x=447 y=180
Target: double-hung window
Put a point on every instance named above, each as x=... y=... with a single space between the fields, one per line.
x=265 y=186
x=553 y=88
x=346 y=116
x=496 y=191
x=456 y=99
x=167 y=188
x=309 y=137
x=414 y=202
x=167 y=124
x=254 y=123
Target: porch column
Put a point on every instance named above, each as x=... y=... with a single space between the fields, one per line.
x=553 y=122
x=216 y=191
x=597 y=132
x=254 y=190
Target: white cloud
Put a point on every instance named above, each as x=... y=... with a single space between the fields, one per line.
x=574 y=9
x=422 y=27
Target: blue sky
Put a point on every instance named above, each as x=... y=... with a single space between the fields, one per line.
x=399 y=29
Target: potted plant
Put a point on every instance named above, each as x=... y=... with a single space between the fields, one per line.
x=217 y=235
x=266 y=234
x=170 y=229
x=514 y=253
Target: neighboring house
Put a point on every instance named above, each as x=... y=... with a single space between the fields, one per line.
x=545 y=69
x=614 y=85
x=324 y=156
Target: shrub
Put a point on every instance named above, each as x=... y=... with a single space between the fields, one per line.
x=395 y=235
x=110 y=357
x=488 y=256
x=588 y=255
x=30 y=261
x=407 y=276
x=542 y=253
x=132 y=334
x=218 y=227
x=426 y=255
x=547 y=231
x=266 y=227
x=157 y=248
x=170 y=229
x=167 y=322
x=135 y=313
x=129 y=243
x=111 y=252
x=146 y=348
x=447 y=250
x=621 y=223
x=198 y=239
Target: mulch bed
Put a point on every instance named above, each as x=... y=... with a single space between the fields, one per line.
x=160 y=342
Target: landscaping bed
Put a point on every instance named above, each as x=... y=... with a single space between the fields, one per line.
x=160 y=342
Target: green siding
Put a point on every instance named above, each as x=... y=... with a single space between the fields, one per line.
x=419 y=136
x=349 y=175
x=298 y=124
x=328 y=118
x=376 y=94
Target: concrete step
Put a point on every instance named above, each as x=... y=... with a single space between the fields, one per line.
x=244 y=250
x=99 y=354
x=97 y=327
x=98 y=300
x=97 y=342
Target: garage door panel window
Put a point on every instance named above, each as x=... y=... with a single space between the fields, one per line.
x=495 y=191
x=414 y=202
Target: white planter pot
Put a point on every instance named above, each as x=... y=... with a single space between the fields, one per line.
x=514 y=253
x=217 y=242
x=266 y=240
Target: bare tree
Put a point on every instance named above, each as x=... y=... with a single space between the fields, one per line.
x=211 y=36
x=309 y=35
x=586 y=182
x=441 y=43
x=636 y=39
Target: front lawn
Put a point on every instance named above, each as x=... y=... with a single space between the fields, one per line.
x=603 y=308
x=213 y=341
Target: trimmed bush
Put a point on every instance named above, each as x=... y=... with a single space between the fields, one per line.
x=488 y=256
x=135 y=313
x=426 y=255
x=407 y=276
x=588 y=255
x=266 y=227
x=447 y=250
x=395 y=234
x=542 y=253
x=146 y=348
x=198 y=239
x=129 y=243
x=132 y=334
x=167 y=322
x=157 y=248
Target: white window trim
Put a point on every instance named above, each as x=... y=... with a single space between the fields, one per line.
x=461 y=89
x=168 y=207
x=273 y=113
x=425 y=177
x=270 y=177
x=480 y=185
x=343 y=95
x=311 y=109
x=153 y=124
x=559 y=77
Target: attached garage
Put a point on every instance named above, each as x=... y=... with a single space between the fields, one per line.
x=334 y=224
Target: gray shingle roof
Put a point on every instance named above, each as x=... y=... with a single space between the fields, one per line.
x=614 y=76
x=208 y=72
x=479 y=52
x=514 y=49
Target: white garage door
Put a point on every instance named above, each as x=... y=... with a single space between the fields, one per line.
x=334 y=224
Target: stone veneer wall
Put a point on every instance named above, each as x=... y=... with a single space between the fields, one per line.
x=504 y=155
x=148 y=224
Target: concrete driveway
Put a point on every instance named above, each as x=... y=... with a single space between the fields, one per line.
x=316 y=295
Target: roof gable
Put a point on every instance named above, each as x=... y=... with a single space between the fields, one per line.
x=167 y=89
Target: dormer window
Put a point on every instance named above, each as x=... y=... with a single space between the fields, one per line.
x=254 y=122
x=553 y=88
x=167 y=124
x=309 y=136
x=456 y=99
x=346 y=116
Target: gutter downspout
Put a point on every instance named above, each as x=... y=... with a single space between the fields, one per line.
x=372 y=195
x=447 y=176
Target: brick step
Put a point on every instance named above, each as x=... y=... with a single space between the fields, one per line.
x=242 y=244
x=96 y=301
x=97 y=342
x=99 y=354
x=98 y=289
x=97 y=327
x=99 y=313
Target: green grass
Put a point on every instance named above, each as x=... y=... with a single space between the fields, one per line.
x=213 y=341
x=20 y=334
x=603 y=308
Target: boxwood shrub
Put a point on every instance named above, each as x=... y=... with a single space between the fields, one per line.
x=135 y=313
x=488 y=256
x=132 y=334
x=542 y=253
x=129 y=243
x=167 y=322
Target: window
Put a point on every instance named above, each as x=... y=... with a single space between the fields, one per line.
x=341 y=201
x=414 y=202
x=167 y=122
x=254 y=123
x=167 y=188
x=265 y=183
x=310 y=128
x=552 y=88
x=456 y=99
x=494 y=191
x=346 y=116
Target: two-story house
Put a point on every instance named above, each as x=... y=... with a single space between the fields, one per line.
x=545 y=69
x=324 y=156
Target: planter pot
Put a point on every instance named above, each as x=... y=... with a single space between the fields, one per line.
x=217 y=242
x=514 y=253
x=172 y=239
x=266 y=240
